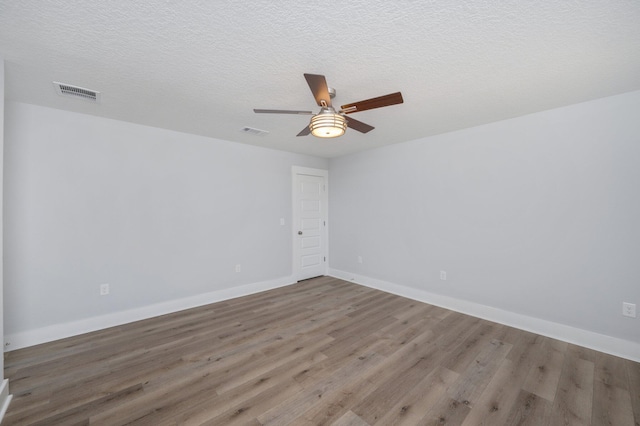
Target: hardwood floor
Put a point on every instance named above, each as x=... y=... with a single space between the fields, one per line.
x=320 y=352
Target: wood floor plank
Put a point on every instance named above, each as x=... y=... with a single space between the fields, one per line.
x=321 y=352
x=471 y=346
x=611 y=405
x=524 y=345
x=351 y=393
x=447 y=411
x=543 y=377
x=582 y=353
x=611 y=371
x=250 y=409
x=202 y=409
x=272 y=358
x=633 y=374
x=496 y=402
x=530 y=410
x=334 y=405
x=573 y=401
x=350 y=419
x=415 y=403
x=417 y=309
x=477 y=376
x=290 y=409
x=398 y=334
x=412 y=363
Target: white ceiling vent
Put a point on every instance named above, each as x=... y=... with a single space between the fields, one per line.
x=253 y=131
x=69 y=90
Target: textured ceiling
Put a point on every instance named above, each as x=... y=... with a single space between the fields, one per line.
x=202 y=66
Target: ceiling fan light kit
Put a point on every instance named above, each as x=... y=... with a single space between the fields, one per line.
x=328 y=123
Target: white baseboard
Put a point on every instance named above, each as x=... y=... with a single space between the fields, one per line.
x=53 y=332
x=5 y=398
x=588 y=339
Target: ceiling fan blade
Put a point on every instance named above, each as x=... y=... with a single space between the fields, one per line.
x=318 y=85
x=358 y=125
x=379 y=102
x=281 y=111
x=304 y=132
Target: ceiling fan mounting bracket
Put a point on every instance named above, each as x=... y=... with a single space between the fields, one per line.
x=332 y=94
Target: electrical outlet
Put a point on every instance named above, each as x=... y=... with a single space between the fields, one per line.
x=282 y=221
x=359 y=259
x=629 y=309
x=238 y=268
x=443 y=275
x=104 y=289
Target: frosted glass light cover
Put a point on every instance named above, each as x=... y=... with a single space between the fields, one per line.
x=328 y=125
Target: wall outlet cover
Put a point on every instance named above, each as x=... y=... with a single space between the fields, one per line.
x=104 y=289
x=629 y=309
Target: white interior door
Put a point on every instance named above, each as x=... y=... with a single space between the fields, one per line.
x=309 y=222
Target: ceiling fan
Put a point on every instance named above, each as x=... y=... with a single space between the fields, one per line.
x=328 y=123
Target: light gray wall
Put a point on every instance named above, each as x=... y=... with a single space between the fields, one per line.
x=159 y=215
x=1 y=211
x=538 y=215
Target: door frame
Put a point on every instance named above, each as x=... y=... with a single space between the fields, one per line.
x=295 y=172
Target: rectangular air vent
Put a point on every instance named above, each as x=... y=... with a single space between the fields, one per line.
x=69 y=90
x=254 y=131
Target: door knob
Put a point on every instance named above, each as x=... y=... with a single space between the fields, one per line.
x=299 y=232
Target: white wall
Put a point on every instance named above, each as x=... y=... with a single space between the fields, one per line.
x=1 y=209
x=161 y=216
x=5 y=398
x=537 y=215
